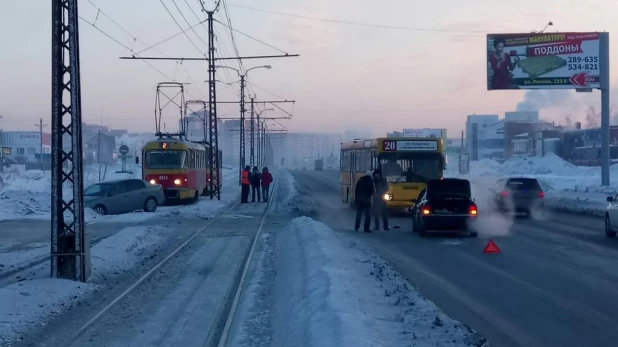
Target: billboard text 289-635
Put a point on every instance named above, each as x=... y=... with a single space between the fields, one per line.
x=543 y=61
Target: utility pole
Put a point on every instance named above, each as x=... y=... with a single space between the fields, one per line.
x=252 y=133
x=241 y=157
x=41 y=125
x=70 y=251
x=99 y=147
x=212 y=108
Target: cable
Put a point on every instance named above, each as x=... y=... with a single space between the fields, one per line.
x=229 y=22
x=253 y=38
x=382 y=26
x=262 y=89
x=179 y=26
x=125 y=46
x=169 y=38
x=186 y=21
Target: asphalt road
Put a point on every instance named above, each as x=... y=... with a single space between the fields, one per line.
x=554 y=284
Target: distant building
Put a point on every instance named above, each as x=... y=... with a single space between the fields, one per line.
x=350 y=135
x=25 y=145
x=474 y=125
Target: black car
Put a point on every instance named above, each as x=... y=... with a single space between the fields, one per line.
x=518 y=194
x=445 y=205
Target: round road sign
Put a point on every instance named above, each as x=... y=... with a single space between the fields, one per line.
x=124 y=149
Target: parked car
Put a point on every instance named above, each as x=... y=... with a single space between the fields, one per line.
x=611 y=216
x=445 y=205
x=517 y=194
x=122 y=196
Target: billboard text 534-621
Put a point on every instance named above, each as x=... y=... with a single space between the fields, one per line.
x=543 y=61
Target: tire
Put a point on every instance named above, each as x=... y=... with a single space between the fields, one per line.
x=474 y=233
x=151 y=204
x=100 y=209
x=609 y=233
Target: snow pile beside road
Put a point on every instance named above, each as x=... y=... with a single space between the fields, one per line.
x=331 y=290
x=12 y=261
x=296 y=202
x=124 y=250
x=31 y=303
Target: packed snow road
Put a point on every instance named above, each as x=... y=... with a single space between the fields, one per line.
x=552 y=285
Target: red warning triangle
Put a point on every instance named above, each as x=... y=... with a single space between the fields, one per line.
x=491 y=247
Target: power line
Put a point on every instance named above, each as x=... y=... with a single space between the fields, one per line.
x=169 y=38
x=180 y=27
x=186 y=21
x=137 y=40
x=253 y=38
x=229 y=22
x=382 y=26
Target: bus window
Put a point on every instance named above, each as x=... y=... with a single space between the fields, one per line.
x=403 y=167
x=165 y=159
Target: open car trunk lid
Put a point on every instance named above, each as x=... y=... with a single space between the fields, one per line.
x=449 y=204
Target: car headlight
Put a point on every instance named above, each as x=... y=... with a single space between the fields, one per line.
x=177 y=182
x=387 y=197
x=153 y=182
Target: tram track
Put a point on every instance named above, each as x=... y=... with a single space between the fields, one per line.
x=171 y=288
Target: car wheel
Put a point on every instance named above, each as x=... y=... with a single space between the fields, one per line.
x=100 y=209
x=474 y=233
x=151 y=204
x=608 y=228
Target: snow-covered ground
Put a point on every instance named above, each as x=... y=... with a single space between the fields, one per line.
x=313 y=286
x=567 y=187
x=26 y=194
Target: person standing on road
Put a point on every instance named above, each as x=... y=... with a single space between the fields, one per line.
x=256 y=178
x=245 y=184
x=267 y=179
x=379 y=203
x=363 y=194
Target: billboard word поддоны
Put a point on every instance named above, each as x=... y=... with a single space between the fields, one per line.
x=543 y=61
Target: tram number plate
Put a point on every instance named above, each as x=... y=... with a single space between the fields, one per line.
x=163 y=178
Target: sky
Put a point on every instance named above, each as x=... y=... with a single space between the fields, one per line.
x=348 y=77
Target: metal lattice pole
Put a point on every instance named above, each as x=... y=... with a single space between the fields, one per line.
x=252 y=134
x=258 y=141
x=212 y=106
x=69 y=254
x=242 y=128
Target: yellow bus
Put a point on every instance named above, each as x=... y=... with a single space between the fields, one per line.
x=406 y=163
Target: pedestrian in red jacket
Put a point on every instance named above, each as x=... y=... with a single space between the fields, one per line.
x=267 y=179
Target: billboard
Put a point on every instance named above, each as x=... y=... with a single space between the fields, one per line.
x=543 y=61
x=430 y=133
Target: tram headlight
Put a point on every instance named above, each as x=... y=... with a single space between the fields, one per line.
x=153 y=182
x=177 y=182
x=388 y=197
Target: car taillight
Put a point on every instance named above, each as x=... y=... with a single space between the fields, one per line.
x=505 y=193
x=426 y=210
x=473 y=210
x=541 y=195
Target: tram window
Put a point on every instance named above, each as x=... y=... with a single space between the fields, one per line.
x=165 y=159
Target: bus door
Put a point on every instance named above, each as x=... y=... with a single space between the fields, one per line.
x=352 y=172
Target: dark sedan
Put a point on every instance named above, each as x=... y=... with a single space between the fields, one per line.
x=445 y=205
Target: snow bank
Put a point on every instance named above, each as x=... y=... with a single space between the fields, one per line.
x=26 y=194
x=15 y=260
x=123 y=250
x=568 y=187
x=331 y=290
x=296 y=201
x=31 y=303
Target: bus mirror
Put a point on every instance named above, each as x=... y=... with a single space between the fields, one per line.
x=136 y=160
x=414 y=200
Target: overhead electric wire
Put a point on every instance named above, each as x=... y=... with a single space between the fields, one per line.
x=169 y=38
x=131 y=49
x=186 y=21
x=253 y=38
x=180 y=27
x=382 y=26
x=229 y=22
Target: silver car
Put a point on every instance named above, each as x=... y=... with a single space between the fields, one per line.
x=122 y=196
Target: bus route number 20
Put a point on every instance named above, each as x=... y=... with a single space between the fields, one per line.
x=390 y=145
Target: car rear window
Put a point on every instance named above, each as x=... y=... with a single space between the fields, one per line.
x=460 y=187
x=523 y=184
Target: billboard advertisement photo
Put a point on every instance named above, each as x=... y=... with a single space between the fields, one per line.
x=543 y=61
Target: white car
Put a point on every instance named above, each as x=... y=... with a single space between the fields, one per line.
x=611 y=217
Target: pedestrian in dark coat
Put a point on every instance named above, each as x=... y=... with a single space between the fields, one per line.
x=256 y=179
x=245 y=184
x=267 y=179
x=379 y=202
x=363 y=194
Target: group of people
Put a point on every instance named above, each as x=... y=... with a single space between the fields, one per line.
x=369 y=197
x=253 y=181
